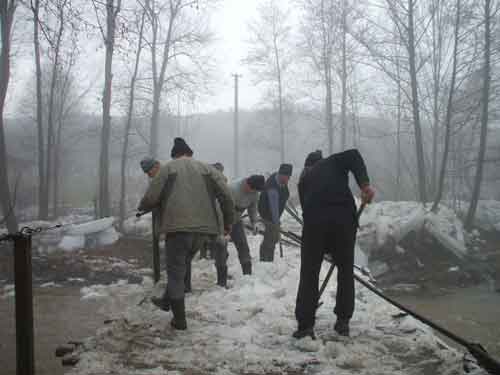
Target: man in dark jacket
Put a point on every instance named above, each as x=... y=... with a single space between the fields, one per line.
x=330 y=225
x=186 y=191
x=272 y=203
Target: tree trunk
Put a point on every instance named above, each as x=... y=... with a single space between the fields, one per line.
x=104 y=198
x=43 y=204
x=436 y=70
x=7 y=10
x=50 y=117
x=449 y=111
x=343 y=106
x=128 y=125
x=422 y=188
x=159 y=80
x=57 y=166
x=485 y=98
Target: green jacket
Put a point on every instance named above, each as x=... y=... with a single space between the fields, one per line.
x=186 y=191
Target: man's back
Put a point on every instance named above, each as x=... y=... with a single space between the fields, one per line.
x=324 y=189
x=190 y=188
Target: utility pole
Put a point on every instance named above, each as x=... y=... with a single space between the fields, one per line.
x=236 y=127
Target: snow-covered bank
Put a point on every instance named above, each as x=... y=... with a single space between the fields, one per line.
x=247 y=330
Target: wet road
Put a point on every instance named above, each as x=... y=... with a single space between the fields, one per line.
x=60 y=316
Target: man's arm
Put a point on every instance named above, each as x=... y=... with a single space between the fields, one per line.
x=353 y=161
x=152 y=197
x=223 y=196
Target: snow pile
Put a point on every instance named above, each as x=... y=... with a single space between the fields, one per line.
x=487 y=215
x=392 y=221
x=247 y=329
x=90 y=234
x=139 y=226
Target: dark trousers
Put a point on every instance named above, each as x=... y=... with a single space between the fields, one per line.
x=271 y=238
x=317 y=239
x=239 y=238
x=180 y=248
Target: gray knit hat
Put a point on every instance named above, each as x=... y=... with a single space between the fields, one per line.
x=148 y=163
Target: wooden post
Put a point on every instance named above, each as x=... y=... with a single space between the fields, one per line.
x=25 y=355
x=156 y=247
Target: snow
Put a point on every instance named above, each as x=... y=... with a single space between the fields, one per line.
x=90 y=227
x=392 y=221
x=70 y=243
x=139 y=226
x=107 y=237
x=247 y=329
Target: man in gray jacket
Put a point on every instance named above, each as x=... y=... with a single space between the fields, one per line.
x=246 y=197
x=188 y=216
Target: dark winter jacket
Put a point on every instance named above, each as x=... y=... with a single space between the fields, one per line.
x=273 y=199
x=324 y=191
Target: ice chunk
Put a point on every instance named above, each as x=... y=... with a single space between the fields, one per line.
x=91 y=227
x=107 y=237
x=70 y=243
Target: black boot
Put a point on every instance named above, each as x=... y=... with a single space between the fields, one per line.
x=342 y=327
x=179 y=311
x=222 y=276
x=163 y=303
x=247 y=268
x=187 y=279
x=303 y=332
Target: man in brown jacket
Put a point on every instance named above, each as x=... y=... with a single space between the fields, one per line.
x=188 y=216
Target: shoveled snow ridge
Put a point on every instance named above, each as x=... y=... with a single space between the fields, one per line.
x=247 y=330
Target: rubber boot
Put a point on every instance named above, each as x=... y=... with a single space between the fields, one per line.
x=163 y=303
x=301 y=333
x=222 y=276
x=342 y=327
x=179 y=311
x=247 y=268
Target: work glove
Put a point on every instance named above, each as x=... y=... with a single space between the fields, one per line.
x=367 y=194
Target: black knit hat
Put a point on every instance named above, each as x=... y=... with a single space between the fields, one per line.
x=256 y=182
x=148 y=163
x=285 y=170
x=180 y=148
x=313 y=158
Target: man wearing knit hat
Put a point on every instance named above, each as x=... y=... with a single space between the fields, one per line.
x=150 y=166
x=188 y=216
x=246 y=196
x=272 y=203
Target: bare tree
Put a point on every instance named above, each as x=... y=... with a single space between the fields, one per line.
x=43 y=204
x=378 y=40
x=449 y=110
x=268 y=57
x=113 y=8
x=128 y=121
x=7 y=10
x=175 y=39
x=56 y=45
x=319 y=30
x=485 y=100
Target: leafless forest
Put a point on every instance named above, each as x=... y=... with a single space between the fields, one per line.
x=89 y=87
